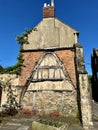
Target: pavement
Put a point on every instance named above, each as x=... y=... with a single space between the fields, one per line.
x=17 y=123
x=24 y=123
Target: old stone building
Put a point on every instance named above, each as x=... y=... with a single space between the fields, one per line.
x=53 y=76
x=94 y=63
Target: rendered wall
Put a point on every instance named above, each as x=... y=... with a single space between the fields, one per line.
x=51 y=33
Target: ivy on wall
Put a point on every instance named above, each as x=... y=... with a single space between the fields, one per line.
x=22 y=39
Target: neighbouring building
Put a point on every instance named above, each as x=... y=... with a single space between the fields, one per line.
x=1 y=69
x=53 y=76
x=94 y=64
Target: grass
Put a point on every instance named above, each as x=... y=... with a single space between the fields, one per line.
x=57 y=121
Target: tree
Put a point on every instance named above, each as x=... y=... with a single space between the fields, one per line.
x=90 y=79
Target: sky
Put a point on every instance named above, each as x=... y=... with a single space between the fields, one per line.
x=18 y=15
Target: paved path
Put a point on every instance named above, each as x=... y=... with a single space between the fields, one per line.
x=24 y=123
x=17 y=123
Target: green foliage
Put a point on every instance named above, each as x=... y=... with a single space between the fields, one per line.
x=90 y=78
x=23 y=39
x=16 y=69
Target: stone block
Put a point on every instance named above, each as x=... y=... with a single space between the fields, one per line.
x=40 y=126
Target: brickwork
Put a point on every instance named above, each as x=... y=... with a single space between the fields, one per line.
x=67 y=56
x=48 y=12
x=31 y=58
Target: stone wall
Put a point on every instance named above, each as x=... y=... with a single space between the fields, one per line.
x=85 y=101
x=47 y=102
x=13 y=79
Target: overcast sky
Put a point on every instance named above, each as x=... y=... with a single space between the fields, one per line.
x=18 y=15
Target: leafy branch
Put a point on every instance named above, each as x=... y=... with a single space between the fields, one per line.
x=23 y=39
x=16 y=69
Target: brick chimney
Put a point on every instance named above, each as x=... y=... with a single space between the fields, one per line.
x=48 y=11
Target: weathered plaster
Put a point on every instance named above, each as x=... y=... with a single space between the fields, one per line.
x=51 y=33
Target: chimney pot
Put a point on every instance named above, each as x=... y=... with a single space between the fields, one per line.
x=45 y=4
